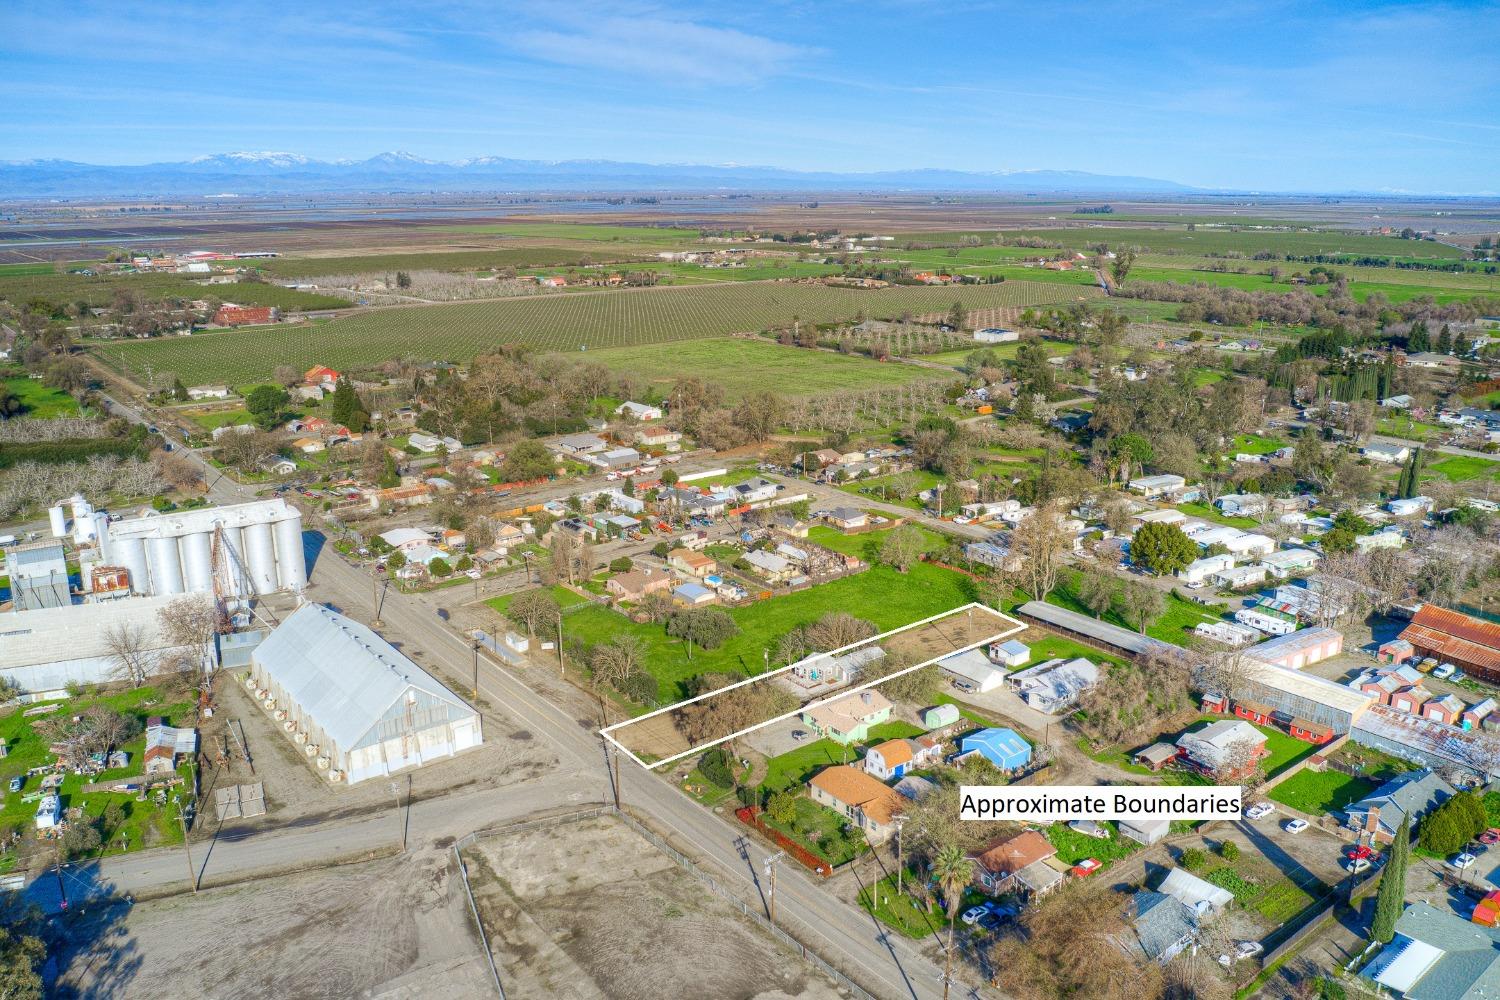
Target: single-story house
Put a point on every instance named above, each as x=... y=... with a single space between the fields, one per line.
x=1411 y=794
x=1399 y=402
x=1056 y=685
x=208 y=392
x=997 y=866
x=1153 y=486
x=1438 y=955
x=692 y=563
x=1227 y=748
x=1185 y=887
x=405 y=539
x=894 y=758
x=1288 y=561
x=1202 y=570
x=1408 y=506
x=769 y=565
x=1240 y=577
x=847 y=518
x=618 y=458
x=1002 y=747
x=639 y=411
x=636 y=584
x=848 y=719
x=657 y=437
x=869 y=803
x=1241 y=504
x=167 y=745
x=1377 y=451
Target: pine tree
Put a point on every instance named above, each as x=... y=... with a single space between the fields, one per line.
x=1445 y=340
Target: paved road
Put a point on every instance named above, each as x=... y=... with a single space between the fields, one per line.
x=824 y=495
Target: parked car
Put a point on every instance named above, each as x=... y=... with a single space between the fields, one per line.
x=1361 y=851
x=971 y=916
x=17 y=782
x=1248 y=949
x=1260 y=810
x=1462 y=861
x=798 y=735
x=1294 y=825
x=1490 y=837
x=1357 y=866
x=1086 y=867
x=1443 y=671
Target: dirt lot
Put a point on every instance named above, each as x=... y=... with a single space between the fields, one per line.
x=589 y=910
x=394 y=928
x=296 y=791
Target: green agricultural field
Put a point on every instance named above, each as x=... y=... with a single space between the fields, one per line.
x=450 y=260
x=101 y=289
x=42 y=401
x=606 y=319
x=1205 y=240
x=1055 y=348
x=577 y=231
x=742 y=366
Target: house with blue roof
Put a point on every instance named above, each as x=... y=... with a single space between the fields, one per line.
x=1002 y=747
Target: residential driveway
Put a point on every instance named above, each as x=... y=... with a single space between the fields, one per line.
x=1003 y=701
x=776 y=739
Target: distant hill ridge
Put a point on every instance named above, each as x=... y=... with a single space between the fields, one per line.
x=276 y=172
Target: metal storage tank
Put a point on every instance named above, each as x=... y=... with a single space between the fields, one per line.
x=166 y=567
x=131 y=553
x=291 y=566
x=261 y=552
x=197 y=561
x=58 y=521
x=101 y=533
x=232 y=562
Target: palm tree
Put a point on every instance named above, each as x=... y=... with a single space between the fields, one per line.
x=953 y=871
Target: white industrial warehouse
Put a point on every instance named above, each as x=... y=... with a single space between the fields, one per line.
x=45 y=649
x=358 y=708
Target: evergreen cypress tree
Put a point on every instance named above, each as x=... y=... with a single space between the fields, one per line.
x=1391 y=898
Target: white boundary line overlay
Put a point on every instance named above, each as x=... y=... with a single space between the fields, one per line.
x=1016 y=626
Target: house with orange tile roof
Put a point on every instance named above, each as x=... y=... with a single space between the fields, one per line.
x=865 y=801
x=691 y=563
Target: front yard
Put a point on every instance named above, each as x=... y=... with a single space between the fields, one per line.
x=796 y=767
x=821 y=831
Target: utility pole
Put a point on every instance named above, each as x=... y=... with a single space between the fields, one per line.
x=900 y=819
x=375 y=600
x=396 y=791
x=771 y=862
x=192 y=869
x=527 y=556
x=561 y=669
x=476 y=672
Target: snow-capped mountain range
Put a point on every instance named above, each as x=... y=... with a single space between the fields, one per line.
x=281 y=172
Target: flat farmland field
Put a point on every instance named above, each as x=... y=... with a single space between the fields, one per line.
x=743 y=366
x=608 y=319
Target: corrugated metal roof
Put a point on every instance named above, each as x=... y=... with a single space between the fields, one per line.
x=76 y=632
x=1120 y=638
x=342 y=674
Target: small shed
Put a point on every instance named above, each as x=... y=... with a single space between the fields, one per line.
x=939 y=716
x=1395 y=651
x=1253 y=711
x=1010 y=653
x=1156 y=756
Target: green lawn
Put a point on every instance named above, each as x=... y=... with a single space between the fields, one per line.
x=1056 y=647
x=221 y=418
x=564 y=597
x=1462 y=468
x=900 y=910
x=796 y=767
x=1178 y=616
x=1210 y=513
x=1255 y=444
x=1004 y=352
x=1316 y=792
x=1403 y=426
x=145 y=824
x=42 y=401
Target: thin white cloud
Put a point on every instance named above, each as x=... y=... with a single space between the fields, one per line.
x=661 y=48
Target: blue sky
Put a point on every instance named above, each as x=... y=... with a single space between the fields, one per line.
x=1248 y=95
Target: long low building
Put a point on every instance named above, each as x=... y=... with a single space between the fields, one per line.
x=1427 y=742
x=48 y=648
x=366 y=708
x=1471 y=643
x=1100 y=632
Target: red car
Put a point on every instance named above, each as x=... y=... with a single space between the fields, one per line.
x=1490 y=837
x=1359 y=851
x=1086 y=867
